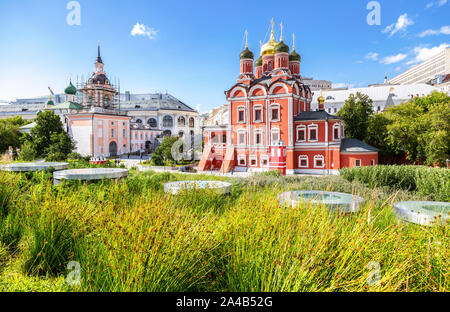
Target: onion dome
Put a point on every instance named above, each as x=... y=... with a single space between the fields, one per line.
x=295 y=56
x=269 y=47
x=49 y=103
x=259 y=62
x=247 y=54
x=281 y=48
x=71 y=90
x=321 y=99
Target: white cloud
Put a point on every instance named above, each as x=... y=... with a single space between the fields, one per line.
x=393 y=59
x=437 y=3
x=398 y=68
x=142 y=30
x=445 y=30
x=403 y=22
x=423 y=53
x=372 y=56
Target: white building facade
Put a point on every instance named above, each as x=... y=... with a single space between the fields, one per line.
x=427 y=71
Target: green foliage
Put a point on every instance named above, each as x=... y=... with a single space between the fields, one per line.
x=162 y=156
x=48 y=139
x=61 y=145
x=27 y=151
x=420 y=128
x=433 y=182
x=9 y=133
x=356 y=113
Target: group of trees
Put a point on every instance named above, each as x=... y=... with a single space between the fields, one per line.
x=418 y=129
x=46 y=140
x=10 y=133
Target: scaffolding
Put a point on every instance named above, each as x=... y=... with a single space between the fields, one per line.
x=105 y=95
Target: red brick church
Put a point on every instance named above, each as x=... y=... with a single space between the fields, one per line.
x=271 y=125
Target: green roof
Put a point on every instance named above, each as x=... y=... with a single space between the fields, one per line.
x=281 y=47
x=70 y=89
x=295 y=56
x=259 y=62
x=247 y=54
x=68 y=105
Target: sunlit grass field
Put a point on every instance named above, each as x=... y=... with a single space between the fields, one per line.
x=130 y=236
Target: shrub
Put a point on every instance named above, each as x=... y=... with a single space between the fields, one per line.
x=27 y=152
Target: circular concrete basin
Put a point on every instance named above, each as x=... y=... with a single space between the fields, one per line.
x=177 y=187
x=423 y=212
x=28 y=167
x=93 y=174
x=336 y=201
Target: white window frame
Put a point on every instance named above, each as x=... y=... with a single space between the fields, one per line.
x=301 y=127
x=251 y=158
x=244 y=132
x=260 y=132
x=319 y=157
x=272 y=132
x=303 y=157
x=255 y=108
x=242 y=157
x=239 y=109
x=310 y=128
x=373 y=163
x=360 y=162
x=338 y=127
x=275 y=107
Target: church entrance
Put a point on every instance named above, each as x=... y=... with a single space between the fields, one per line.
x=113 y=149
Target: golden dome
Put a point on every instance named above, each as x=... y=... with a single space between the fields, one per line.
x=269 y=47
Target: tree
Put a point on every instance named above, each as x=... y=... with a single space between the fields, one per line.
x=27 y=151
x=10 y=133
x=61 y=145
x=355 y=113
x=163 y=154
x=48 y=138
x=377 y=134
x=421 y=128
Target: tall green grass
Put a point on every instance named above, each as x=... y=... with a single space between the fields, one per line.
x=131 y=236
x=433 y=182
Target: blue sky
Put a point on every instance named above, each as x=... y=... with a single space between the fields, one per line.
x=191 y=48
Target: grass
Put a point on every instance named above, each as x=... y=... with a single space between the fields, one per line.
x=433 y=182
x=130 y=236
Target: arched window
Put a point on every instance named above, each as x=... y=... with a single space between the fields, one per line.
x=181 y=134
x=167 y=133
x=152 y=123
x=139 y=121
x=191 y=122
x=167 y=122
x=181 y=121
x=336 y=132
